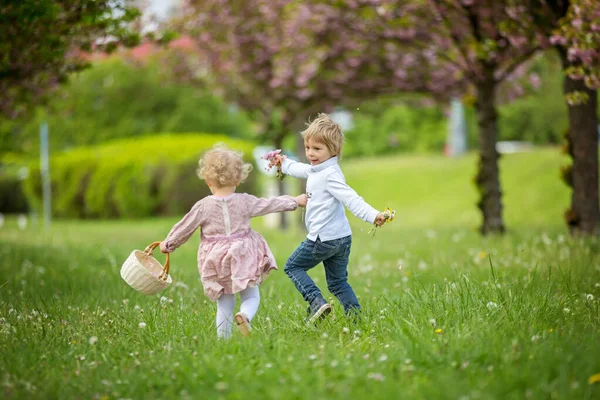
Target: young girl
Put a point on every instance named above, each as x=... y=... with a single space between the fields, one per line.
x=232 y=258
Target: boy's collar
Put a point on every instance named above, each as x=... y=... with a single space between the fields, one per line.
x=320 y=167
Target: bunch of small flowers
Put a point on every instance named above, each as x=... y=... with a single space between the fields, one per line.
x=388 y=216
x=271 y=157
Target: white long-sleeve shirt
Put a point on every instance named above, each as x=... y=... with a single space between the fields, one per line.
x=326 y=186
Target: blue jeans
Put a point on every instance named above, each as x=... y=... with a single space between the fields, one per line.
x=334 y=255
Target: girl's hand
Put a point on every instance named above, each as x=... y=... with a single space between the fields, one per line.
x=302 y=199
x=379 y=219
x=163 y=247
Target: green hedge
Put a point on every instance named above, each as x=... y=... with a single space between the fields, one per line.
x=133 y=178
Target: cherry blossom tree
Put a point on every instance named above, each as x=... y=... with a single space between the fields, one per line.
x=575 y=25
x=283 y=61
x=487 y=40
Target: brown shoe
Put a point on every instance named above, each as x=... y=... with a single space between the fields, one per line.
x=243 y=323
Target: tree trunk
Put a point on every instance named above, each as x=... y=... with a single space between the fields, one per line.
x=488 y=176
x=583 y=218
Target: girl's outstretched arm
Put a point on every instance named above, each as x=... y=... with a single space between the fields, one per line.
x=183 y=230
x=261 y=206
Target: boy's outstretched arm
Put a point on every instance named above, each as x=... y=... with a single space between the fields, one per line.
x=294 y=168
x=336 y=185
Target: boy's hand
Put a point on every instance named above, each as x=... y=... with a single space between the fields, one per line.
x=379 y=219
x=277 y=160
x=302 y=199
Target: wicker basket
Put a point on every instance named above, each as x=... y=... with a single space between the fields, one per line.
x=144 y=273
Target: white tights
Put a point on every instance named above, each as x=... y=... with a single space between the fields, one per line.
x=225 y=305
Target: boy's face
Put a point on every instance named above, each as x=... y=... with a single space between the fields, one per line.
x=316 y=152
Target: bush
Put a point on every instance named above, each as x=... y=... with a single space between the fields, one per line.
x=12 y=198
x=399 y=128
x=153 y=175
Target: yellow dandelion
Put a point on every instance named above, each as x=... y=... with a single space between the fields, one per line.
x=482 y=254
x=438 y=330
x=594 y=379
x=550 y=330
x=388 y=215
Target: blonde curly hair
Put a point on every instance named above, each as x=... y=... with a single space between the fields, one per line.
x=223 y=167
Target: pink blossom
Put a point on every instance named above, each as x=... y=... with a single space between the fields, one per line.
x=271 y=155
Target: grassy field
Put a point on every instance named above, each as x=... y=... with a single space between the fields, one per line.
x=447 y=314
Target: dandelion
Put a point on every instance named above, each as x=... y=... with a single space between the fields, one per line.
x=433 y=322
x=566 y=310
x=93 y=340
x=382 y=358
x=594 y=378
x=345 y=330
x=589 y=297
x=491 y=306
x=388 y=216
x=312 y=357
x=438 y=330
x=142 y=325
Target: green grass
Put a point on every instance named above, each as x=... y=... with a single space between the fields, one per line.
x=447 y=314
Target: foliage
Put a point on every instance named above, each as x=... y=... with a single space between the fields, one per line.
x=286 y=61
x=152 y=175
x=399 y=128
x=578 y=30
x=41 y=42
x=119 y=98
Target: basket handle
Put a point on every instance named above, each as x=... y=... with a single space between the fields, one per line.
x=165 y=272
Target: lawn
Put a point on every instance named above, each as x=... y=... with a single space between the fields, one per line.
x=447 y=314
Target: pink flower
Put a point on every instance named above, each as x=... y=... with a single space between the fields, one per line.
x=271 y=155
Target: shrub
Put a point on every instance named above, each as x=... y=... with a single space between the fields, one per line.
x=133 y=178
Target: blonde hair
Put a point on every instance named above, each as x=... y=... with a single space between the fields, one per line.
x=324 y=130
x=223 y=167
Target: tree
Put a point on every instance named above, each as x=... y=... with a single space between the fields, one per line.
x=41 y=43
x=283 y=61
x=576 y=28
x=486 y=40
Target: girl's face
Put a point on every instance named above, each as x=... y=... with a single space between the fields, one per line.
x=316 y=152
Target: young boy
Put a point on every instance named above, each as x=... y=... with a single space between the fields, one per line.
x=329 y=236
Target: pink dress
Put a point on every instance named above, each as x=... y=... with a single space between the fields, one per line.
x=231 y=256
